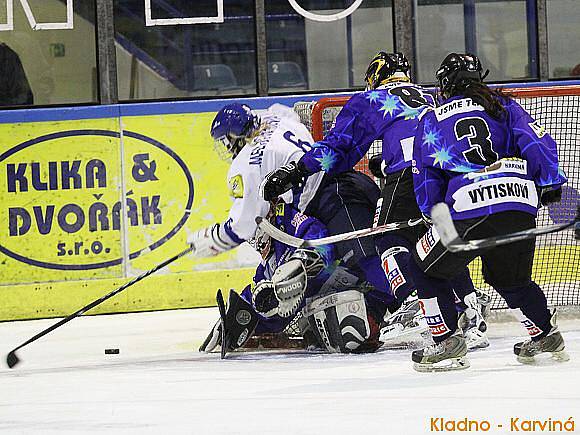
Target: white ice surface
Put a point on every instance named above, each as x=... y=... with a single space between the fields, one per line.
x=158 y=384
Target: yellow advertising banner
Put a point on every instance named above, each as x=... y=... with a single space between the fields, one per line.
x=87 y=204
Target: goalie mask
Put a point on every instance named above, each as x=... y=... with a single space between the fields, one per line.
x=230 y=129
x=386 y=67
x=458 y=68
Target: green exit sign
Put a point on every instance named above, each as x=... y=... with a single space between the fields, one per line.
x=57 y=50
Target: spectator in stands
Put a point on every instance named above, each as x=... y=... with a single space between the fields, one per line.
x=14 y=87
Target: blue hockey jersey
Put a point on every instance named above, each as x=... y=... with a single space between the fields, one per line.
x=480 y=165
x=299 y=225
x=389 y=113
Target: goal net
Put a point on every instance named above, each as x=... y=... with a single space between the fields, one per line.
x=557 y=258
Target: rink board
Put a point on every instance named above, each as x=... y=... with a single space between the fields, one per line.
x=68 y=176
x=91 y=197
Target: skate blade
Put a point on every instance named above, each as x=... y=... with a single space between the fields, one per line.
x=447 y=365
x=558 y=357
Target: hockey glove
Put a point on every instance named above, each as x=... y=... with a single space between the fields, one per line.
x=208 y=242
x=549 y=195
x=283 y=179
x=264 y=298
x=290 y=281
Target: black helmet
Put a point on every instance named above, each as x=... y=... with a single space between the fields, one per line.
x=383 y=66
x=457 y=67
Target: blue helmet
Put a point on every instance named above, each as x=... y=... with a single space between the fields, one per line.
x=232 y=125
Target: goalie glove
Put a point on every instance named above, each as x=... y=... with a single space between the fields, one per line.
x=284 y=294
x=264 y=298
x=283 y=179
x=208 y=242
x=290 y=282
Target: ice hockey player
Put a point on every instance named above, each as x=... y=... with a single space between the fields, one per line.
x=388 y=110
x=260 y=143
x=337 y=312
x=482 y=154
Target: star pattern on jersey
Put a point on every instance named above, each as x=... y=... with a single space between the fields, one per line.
x=410 y=113
x=431 y=137
x=441 y=156
x=389 y=106
x=327 y=160
x=373 y=96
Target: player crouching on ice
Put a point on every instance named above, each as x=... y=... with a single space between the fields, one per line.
x=257 y=145
x=338 y=312
x=485 y=157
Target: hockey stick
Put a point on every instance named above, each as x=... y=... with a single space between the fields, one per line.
x=12 y=359
x=222 y=310
x=451 y=240
x=296 y=242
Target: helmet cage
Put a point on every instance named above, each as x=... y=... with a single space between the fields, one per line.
x=230 y=129
x=229 y=146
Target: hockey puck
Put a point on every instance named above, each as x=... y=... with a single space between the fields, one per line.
x=111 y=351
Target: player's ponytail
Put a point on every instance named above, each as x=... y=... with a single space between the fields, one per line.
x=492 y=100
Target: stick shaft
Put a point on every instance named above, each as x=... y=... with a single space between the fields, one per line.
x=104 y=298
x=296 y=242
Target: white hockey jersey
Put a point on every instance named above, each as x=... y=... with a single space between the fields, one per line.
x=282 y=139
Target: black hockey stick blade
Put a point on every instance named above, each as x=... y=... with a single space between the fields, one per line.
x=12 y=359
x=451 y=240
x=222 y=310
x=296 y=242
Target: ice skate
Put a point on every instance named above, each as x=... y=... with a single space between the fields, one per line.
x=448 y=355
x=406 y=321
x=553 y=343
x=484 y=302
x=474 y=329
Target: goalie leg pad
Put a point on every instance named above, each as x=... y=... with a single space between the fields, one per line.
x=341 y=323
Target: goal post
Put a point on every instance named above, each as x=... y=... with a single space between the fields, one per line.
x=557 y=108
